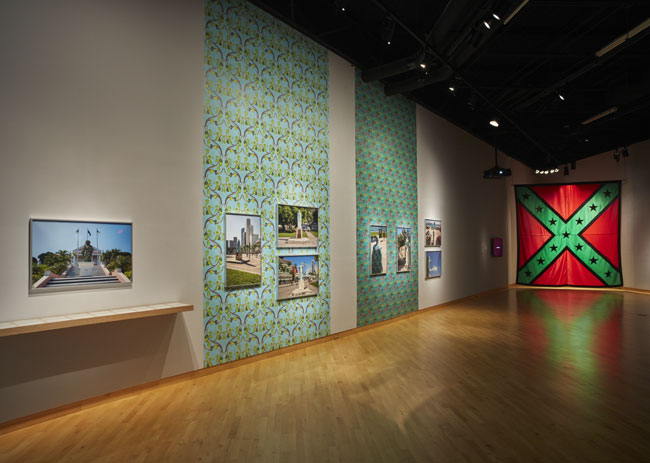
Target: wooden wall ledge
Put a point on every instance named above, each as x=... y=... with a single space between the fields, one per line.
x=90 y=318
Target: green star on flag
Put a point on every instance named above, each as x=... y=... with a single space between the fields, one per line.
x=568 y=235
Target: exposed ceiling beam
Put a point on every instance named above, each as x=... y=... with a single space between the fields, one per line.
x=480 y=94
x=597 y=61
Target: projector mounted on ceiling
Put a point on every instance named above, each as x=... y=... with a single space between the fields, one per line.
x=496 y=171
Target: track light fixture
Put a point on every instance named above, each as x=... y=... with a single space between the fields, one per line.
x=624 y=152
x=341 y=5
x=553 y=170
x=487 y=24
x=494 y=122
x=388 y=31
x=496 y=16
x=560 y=96
x=452 y=89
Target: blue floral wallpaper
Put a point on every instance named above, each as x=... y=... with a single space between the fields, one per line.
x=266 y=138
x=386 y=171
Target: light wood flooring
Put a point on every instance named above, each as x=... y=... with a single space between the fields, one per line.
x=515 y=376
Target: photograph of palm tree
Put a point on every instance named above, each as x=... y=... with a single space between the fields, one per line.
x=432 y=233
x=434 y=264
x=67 y=255
x=378 y=250
x=403 y=249
x=297 y=227
x=243 y=251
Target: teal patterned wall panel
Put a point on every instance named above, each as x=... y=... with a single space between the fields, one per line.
x=386 y=170
x=266 y=138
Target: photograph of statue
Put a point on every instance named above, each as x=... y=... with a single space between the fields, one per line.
x=243 y=251
x=67 y=255
x=297 y=227
x=378 y=250
x=297 y=276
x=432 y=233
x=434 y=264
x=403 y=249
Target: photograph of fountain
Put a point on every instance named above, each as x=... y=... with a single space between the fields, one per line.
x=243 y=251
x=403 y=249
x=297 y=276
x=378 y=250
x=297 y=227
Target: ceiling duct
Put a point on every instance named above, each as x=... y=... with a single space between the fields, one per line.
x=408 y=85
x=394 y=68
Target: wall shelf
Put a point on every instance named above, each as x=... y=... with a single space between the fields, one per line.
x=90 y=318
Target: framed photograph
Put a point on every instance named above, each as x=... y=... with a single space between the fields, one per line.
x=68 y=255
x=297 y=227
x=297 y=276
x=403 y=249
x=432 y=233
x=434 y=264
x=378 y=250
x=243 y=251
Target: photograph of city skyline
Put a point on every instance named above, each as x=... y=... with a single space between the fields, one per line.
x=243 y=251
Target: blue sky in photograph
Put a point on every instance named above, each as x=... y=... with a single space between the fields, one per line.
x=298 y=260
x=434 y=262
x=54 y=236
x=401 y=229
x=234 y=224
x=377 y=228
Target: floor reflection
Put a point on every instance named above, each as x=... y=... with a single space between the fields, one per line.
x=578 y=331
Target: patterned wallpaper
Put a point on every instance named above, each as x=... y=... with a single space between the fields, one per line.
x=386 y=164
x=266 y=142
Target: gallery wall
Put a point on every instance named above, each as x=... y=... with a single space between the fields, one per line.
x=635 y=204
x=386 y=187
x=343 y=200
x=473 y=210
x=101 y=120
x=266 y=144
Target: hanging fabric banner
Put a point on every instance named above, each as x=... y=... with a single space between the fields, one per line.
x=569 y=235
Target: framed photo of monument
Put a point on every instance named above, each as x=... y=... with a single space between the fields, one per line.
x=243 y=251
x=66 y=255
x=432 y=233
x=434 y=264
x=297 y=227
x=297 y=276
x=378 y=250
x=403 y=249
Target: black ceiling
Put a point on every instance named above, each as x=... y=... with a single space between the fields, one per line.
x=515 y=71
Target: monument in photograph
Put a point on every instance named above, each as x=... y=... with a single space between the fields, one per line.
x=378 y=250
x=68 y=255
x=403 y=249
x=297 y=227
x=297 y=276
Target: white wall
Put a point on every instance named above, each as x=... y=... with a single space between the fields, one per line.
x=634 y=171
x=451 y=188
x=343 y=196
x=102 y=106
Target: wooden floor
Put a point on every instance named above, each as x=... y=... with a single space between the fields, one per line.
x=519 y=375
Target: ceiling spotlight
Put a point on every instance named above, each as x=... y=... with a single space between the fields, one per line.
x=494 y=123
x=537 y=171
x=452 y=89
x=496 y=16
x=423 y=65
x=487 y=24
x=560 y=96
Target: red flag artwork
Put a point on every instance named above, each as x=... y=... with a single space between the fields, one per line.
x=568 y=235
